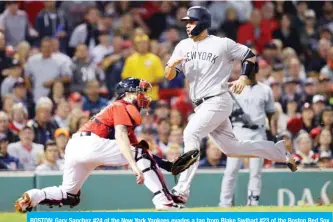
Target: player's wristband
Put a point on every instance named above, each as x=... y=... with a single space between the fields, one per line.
x=247 y=68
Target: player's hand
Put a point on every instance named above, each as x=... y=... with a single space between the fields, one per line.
x=139 y=176
x=177 y=61
x=237 y=86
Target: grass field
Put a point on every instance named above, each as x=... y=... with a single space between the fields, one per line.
x=16 y=217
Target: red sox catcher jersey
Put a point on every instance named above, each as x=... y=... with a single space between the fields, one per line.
x=118 y=113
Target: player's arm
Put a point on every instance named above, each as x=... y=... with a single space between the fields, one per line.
x=171 y=70
x=249 y=68
x=272 y=123
x=121 y=135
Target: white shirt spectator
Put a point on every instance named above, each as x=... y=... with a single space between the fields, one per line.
x=40 y=70
x=58 y=166
x=27 y=158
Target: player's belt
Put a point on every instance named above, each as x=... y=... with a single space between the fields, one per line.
x=85 y=134
x=199 y=101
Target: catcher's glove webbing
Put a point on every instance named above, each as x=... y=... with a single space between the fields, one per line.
x=185 y=161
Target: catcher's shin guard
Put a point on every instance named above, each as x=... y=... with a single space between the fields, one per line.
x=154 y=179
x=72 y=200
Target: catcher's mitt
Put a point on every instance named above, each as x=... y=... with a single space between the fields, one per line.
x=185 y=161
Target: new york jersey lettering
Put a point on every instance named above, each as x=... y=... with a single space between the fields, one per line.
x=203 y=56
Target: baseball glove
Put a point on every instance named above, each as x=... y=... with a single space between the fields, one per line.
x=185 y=161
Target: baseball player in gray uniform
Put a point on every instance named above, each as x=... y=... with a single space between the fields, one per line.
x=248 y=119
x=206 y=62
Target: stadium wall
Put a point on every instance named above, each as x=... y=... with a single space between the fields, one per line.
x=112 y=190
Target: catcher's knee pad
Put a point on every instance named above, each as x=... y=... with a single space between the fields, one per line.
x=72 y=200
x=149 y=167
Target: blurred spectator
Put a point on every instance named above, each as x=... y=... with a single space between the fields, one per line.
x=52 y=23
x=176 y=119
x=299 y=20
x=63 y=59
x=325 y=143
x=75 y=11
x=14 y=74
x=102 y=49
x=61 y=117
x=84 y=69
x=309 y=32
x=18 y=117
x=7 y=162
x=50 y=161
x=4 y=128
x=268 y=13
x=318 y=59
x=147 y=122
x=113 y=63
x=93 y=102
x=162 y=110
x=318 y=104
x=7 y=103
x=176 y=136
x=144 y=64
x=28 y=153
x=254 y=31
x=277 y=72
x=290 y=92
x=163 y=129
x=86 y=33
x=4 y=58
x=22 y=52
x=288 y=34
x=57 y=92
x=294 y=70
x=173 y=152
x=325 y=161
x=309 y=90
x=307 y=117
x=231 y=24
x=213 y=157
x=277 y=91
x=42 y=125
x=327 y=70
x=15 y=25
x=43 y=69
x=326 y=118
x=281 y=118
x=304 y=156
x=158 y=21
x=327 y=16
x=61 y=137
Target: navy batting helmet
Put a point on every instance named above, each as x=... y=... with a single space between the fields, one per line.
x=200 y=14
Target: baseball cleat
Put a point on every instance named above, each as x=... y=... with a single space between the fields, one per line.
x=169 y=207
x=178 y=198
x=290 y=162
x=23 y=204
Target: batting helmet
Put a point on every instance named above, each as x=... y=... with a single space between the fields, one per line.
x=200 y=14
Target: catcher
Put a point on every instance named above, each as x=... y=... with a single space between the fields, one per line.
x=108 y=139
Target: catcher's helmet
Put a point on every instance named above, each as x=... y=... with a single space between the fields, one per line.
x=135 y=85
x=200 y=14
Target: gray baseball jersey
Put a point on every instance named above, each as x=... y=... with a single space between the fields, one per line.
x=208 y=63
x=256 y=101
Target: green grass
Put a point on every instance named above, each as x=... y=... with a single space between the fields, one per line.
x=16 y=217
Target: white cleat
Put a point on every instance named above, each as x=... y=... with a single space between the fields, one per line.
x=168 y=207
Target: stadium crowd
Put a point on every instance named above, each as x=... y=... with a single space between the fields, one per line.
x=60 y=63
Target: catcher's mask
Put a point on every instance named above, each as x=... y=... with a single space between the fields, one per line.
x=138 y=86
